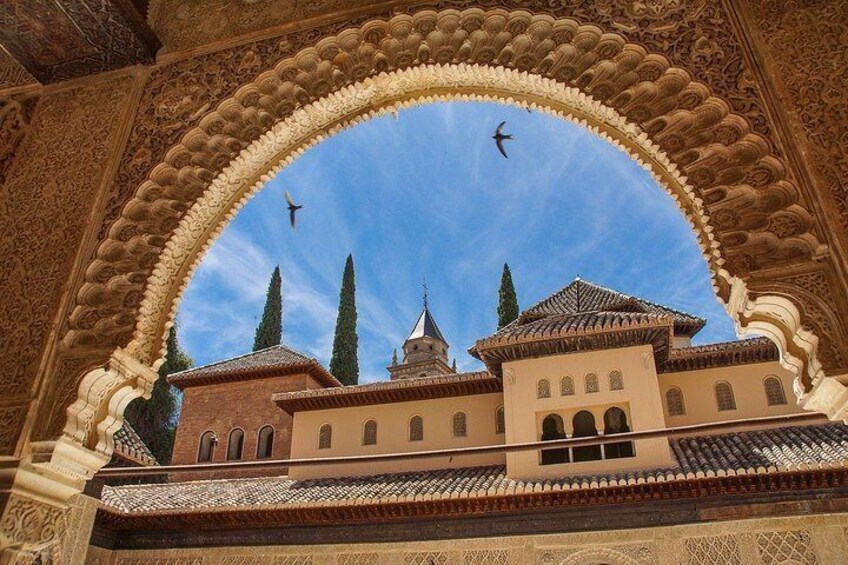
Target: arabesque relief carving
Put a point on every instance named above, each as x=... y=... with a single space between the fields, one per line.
x=60 y=166
x=806 y=41
x=742 y=185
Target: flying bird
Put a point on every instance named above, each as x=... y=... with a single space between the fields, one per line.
x=292 y=208
x=499 y=139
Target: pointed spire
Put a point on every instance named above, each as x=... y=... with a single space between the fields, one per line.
x=394 y=357
x=453 y=365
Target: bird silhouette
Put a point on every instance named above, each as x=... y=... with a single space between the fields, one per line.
x=292 y=208
x=499 y=139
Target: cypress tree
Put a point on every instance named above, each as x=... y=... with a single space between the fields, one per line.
x=155 y=419
x=344 y=365
x=270 y=329
x=507 y=301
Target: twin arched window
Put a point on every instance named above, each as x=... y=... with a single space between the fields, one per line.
x=460 y=425
x=416 y=428
x=591 y=383
x=500 y=421
x=325 y=436
x=724 y=396
x=369 y=433
x=674 y=402
x=265 y=442
x=566 y=386
x=543 y=389
x=236 y=444
x=207 y=446
x=774 y=391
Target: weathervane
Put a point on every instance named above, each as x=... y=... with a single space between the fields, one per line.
x=425 y=292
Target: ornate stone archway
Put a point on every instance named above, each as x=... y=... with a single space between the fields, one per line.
x=728 y=178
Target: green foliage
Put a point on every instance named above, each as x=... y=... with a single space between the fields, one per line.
x=345 y=364
x=155 y=420
x=507 y=300
x=270 y=329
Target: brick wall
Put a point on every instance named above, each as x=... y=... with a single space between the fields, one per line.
x=244 y=404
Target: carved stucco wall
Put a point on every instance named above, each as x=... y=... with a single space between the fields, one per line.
x=182 y=138
x=62 y=160
x=804 y=540
x=184 y=93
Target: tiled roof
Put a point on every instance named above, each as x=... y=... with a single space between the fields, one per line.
x=383 y=392
x=724 y=354
x=795 y=448
x=272 y=361
x=130 y=447
x=568 y=333
x=585 y=296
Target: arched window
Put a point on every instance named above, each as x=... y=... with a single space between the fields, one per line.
x=584 y=426
x=206 y=447
x=615 y=422
x=566 y=386
x=674 y=401
x=369 y=433
x=265 y=444
x=460 y=425
x=553 y=428
x=235 y=445
x=500 y=421
x=543 y=389
x=416 y=428
x=774 y=391
x=325 y=436
x=591 y=383
x=724 y=396
x=616 y=380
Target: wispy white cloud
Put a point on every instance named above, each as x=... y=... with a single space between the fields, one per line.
x=428 y=195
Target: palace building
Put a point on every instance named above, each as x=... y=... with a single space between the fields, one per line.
x=710 y=440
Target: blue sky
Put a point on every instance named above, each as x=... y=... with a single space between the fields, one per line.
x=428 y=195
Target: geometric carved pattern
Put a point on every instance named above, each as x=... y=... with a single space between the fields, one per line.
x=806 y=43
x=15 y=115
x=674 y=401
x=591 y=383
x=46 y=199
x=616 y=380
x=425 y=558
x=161 y=561
x=543 y=388
x=358 y=559
x=487 y=557
x=713 y=550
x=566 y=386
x=781 y=547
x=266 y=559
x=730 y=166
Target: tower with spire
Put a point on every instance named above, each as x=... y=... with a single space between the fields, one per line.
x=425 y=351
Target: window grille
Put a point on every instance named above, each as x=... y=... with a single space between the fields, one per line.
x=369 y=433
x=674 y=401
x=566 y=386
x=724 y=397
x=325 y=436
x=416 y=428
x=500 y=421
x=616 y=380
x=543 y=389
x=591 y=383
x=774 y=392
x=460 y=428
